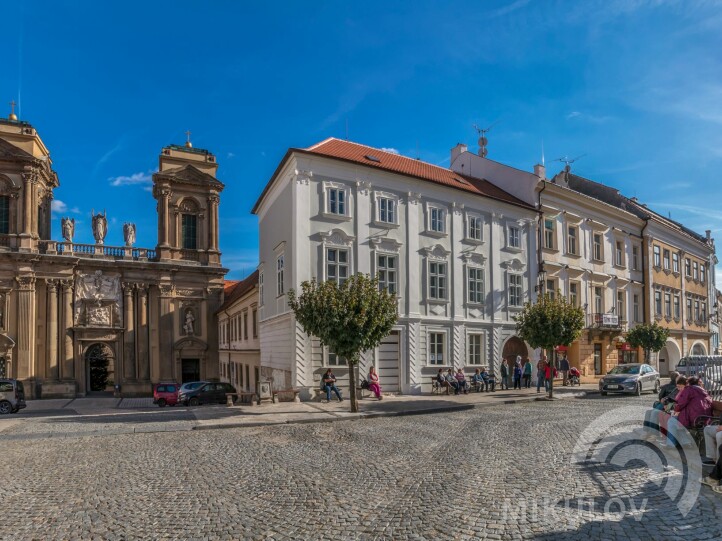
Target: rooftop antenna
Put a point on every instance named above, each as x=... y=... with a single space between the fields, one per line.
x=483 y=141
x=567 y=161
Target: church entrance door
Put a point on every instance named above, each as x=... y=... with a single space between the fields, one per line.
x=190 y=370
x=99 y=360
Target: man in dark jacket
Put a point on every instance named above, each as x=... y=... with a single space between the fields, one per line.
x=669 y=390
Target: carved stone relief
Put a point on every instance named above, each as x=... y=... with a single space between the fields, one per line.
x=97 y=299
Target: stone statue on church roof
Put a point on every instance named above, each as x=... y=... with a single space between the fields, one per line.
x=129 y=233
x=68 y=226
x=100 y=226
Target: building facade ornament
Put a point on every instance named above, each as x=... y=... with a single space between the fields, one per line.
x=26 y=283
x=100 y=226
x=68 y=228
x=129 y=233
x=436 y=253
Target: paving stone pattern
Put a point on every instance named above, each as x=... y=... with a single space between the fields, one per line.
x=501 y=472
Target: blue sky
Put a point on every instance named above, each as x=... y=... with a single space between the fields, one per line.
x=636 y=86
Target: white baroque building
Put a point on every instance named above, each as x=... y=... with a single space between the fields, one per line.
x=459 y=252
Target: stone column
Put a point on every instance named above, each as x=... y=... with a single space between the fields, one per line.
x=28 y=180
x=129 y=349
x=52 y=291
x=213 y=221
x=143 y=354
x=165 y=205
x=26 y=327
x=167 y=357
x=68 y=368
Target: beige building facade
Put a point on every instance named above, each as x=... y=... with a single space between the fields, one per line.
x=239 y=347
x=81 y=318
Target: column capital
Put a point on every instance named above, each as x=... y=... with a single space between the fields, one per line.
x=25 y=283
x=128 y=287
x=52 y=284
x=214 y=199
x=67 y=284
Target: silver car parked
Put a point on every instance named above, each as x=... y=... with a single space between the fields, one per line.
x=12 y=396
x=633 y=378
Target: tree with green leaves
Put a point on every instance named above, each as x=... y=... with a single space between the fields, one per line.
x=551 y=321
x=648 y=337
x=349 y=318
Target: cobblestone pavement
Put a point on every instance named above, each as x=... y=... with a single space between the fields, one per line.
x=501 y=472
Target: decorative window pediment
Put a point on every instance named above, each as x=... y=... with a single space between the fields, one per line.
x=437 y=252
x=473 y=258
x=337 y=237
x=514 y=265
x=383 y=244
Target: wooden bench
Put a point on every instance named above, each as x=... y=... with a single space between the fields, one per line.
x=296 y=392
x=320 y=394
x=233 y=398
x=439 y=388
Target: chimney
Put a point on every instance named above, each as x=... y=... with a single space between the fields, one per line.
x=540 y=171
x=708 y=232
x=457 y=151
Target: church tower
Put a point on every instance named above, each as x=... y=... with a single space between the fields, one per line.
x=27 y=181
x=188 y=195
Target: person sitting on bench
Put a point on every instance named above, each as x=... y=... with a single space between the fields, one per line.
x=489 y=380
x=461 y=380
x=477 y=381
x=329 y=384
x=451 y=381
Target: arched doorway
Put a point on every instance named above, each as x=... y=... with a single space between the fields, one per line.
x=101 y=367
x=513 y=347
x=668 y=357
x=698 y=349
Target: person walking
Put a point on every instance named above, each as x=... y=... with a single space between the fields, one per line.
x=540 y=371
x=504 y=375
x=373 y=380
x=527 y=373
x=517 y=373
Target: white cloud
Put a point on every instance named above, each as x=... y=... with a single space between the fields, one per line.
x=136 y=179
x=596 y=119
x=390 y=150
x=230 y=155
x=58 y=206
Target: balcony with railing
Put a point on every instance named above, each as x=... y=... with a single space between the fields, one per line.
x=99 y=251
x=606 y=322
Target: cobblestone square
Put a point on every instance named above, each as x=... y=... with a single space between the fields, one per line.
x=499 y=472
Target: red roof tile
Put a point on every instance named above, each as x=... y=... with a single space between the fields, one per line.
x=386 y=161
x=235 y=289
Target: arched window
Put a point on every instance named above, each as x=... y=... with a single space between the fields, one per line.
x=189 y=224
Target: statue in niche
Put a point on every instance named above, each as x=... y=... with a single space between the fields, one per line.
x=100 y=226
x=188 y=325
x=68 y=226
x=129 y=233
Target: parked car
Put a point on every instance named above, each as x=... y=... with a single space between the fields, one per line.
x=165 y=394
x=190 y=386
x=208 y=393
x=633 y=378
x=12 y=396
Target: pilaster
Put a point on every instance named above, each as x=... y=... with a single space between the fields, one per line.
x=26 y=327
x=52 y=345
x=129 y=337
x=68 y=368
x=142 y=334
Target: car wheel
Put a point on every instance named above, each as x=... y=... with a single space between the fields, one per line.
x=638 y=390
x=161 y=403
x=193 y=401
x=604 y=393
x=5 y=407
x=656 y=387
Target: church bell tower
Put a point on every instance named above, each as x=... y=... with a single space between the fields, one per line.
x=188 y=194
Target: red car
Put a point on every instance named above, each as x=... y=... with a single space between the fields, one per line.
x=165 y=394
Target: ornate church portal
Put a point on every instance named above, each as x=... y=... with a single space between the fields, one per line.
x=79 y=318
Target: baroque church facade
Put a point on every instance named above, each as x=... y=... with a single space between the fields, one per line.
x=78 y=318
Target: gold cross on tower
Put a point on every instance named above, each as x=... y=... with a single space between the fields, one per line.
x=188 y=139
x=12 y=116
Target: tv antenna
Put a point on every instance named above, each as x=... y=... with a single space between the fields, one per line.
x=567 y=161
x=483 y=141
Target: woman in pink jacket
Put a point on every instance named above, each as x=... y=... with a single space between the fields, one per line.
x=374 y=386
x=691 y=402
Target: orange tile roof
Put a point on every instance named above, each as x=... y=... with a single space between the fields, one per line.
x=386 y=161
x=233 y=292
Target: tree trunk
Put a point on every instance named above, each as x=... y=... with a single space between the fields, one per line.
x=552 y=367
x=352 y=384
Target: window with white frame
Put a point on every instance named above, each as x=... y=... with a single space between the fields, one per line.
x=255 y=323
x=437 y=220
x=635 y=308
x=279 y=275
x=475 y=349
x=572 y=238
x=515 y=290
x=334 y=360
x=574 y=293
x=621 y=310
x=703 y=312
x=658 y=303
x=689 y=309
x=549 y=234
x=687 y=267
x=337 y=265
x=473 y=228
x=551 y=288
x=597 y=246
x=437 y=280
x=696 y=311
x=387 y=210
x=657 y=256
x=665 y=259
x=475 y=285
x=635 y=257
x=677 y=307
x=436 y=347
x=386 y=271
x=668 y=305
x=701 y=272
x=598 y=300
x=695 y=270
x=336 y=201
x=514 y=237
x=619 y=253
